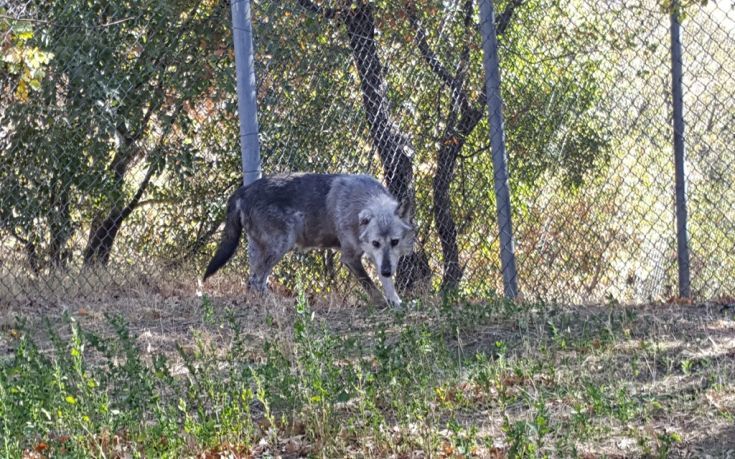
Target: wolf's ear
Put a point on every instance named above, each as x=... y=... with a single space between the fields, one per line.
x=403 y=210
x=365 y=216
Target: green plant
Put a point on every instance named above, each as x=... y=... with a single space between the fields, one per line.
x=666 y=441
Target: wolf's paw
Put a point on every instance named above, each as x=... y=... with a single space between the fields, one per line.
x=394 y=303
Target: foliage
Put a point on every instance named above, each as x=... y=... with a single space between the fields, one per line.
x=119 y=134
x=119 y=95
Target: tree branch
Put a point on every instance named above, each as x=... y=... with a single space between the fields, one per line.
x=427 y=53
x=454 y=82
x=503 y=21
x=329 y=13
x=464 y=57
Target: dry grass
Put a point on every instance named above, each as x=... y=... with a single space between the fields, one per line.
x=607 y=380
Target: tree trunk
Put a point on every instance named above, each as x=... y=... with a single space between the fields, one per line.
x=460 y=121
x=103 y=232
x=392 y=145
x=445 y=226
x=102 y=237
x=60 y=226
x=452 y=145
x=104 y=228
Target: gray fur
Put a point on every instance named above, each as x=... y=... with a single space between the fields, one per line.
x=353 y=213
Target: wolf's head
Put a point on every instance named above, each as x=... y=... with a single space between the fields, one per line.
x=385 y=235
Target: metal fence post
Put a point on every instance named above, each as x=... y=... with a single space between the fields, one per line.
x=678 y=115
x=242 y=34
x=497 y=141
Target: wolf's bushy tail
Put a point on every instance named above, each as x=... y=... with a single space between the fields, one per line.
x=230 y=238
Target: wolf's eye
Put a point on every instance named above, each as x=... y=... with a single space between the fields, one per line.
x=376 y=244
x=394 y=242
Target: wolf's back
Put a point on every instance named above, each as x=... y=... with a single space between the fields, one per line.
x=230 y=236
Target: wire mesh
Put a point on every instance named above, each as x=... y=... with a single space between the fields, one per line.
x=119 y=139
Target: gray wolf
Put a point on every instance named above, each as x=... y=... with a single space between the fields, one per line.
x=352 y=213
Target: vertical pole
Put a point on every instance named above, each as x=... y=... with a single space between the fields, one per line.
x=242 y=33
x=497 y=141
x=682 y=241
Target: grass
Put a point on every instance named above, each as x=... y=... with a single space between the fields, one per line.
x=168 y=376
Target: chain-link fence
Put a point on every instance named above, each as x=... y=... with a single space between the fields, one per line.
x=119 y=138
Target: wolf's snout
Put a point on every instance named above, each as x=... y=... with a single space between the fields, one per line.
x=385 y=272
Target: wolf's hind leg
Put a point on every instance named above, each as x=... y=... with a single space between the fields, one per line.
x=262 y=265
x=256 y=256
x=268 y=249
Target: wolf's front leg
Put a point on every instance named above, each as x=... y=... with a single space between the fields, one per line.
x=354 y=264
x=390 y=291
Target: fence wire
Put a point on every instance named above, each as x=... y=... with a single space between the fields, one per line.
x=119 y=139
